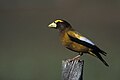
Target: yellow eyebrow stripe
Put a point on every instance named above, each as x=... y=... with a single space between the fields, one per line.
x=58 y=21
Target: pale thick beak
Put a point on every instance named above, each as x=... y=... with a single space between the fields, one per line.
x=52 y=25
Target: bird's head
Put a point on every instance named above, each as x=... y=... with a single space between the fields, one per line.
x=59 y=24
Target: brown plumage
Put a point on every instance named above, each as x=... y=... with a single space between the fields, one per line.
x=74 y=41
x=65 y=40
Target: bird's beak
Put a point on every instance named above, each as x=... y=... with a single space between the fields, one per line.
x=52 y=25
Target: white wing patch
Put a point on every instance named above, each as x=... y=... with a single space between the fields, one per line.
x=83 y=38
x=86 y=40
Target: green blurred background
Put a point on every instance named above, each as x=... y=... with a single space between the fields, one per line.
x=29 y=50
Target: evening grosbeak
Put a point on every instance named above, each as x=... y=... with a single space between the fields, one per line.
x=74 y=41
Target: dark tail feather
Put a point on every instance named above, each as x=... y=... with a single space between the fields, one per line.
x=99 y=56
x=102 y=52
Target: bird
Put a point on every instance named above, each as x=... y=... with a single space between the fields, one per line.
x=76 y=42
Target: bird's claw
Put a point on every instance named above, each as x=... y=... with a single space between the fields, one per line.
x=74 y=58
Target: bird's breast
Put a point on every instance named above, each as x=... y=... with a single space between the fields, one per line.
x=65 y=40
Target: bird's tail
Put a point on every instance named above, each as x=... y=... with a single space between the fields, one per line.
x=103 y=52
x=100 y=51
x=99 y=56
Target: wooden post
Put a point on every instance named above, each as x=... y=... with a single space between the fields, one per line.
x=72 y=70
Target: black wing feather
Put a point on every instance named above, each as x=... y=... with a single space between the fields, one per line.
x=95 y=48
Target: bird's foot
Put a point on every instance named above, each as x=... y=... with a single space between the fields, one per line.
x=74 y=58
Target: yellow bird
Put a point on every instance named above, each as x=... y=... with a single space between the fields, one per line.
x=74 y=41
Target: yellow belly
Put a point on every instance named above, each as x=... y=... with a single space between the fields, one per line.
x=73 y=45
x=78 y=47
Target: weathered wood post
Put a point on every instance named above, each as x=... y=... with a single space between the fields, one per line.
x=72 y=70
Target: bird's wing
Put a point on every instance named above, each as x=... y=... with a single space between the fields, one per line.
x=76 y=37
